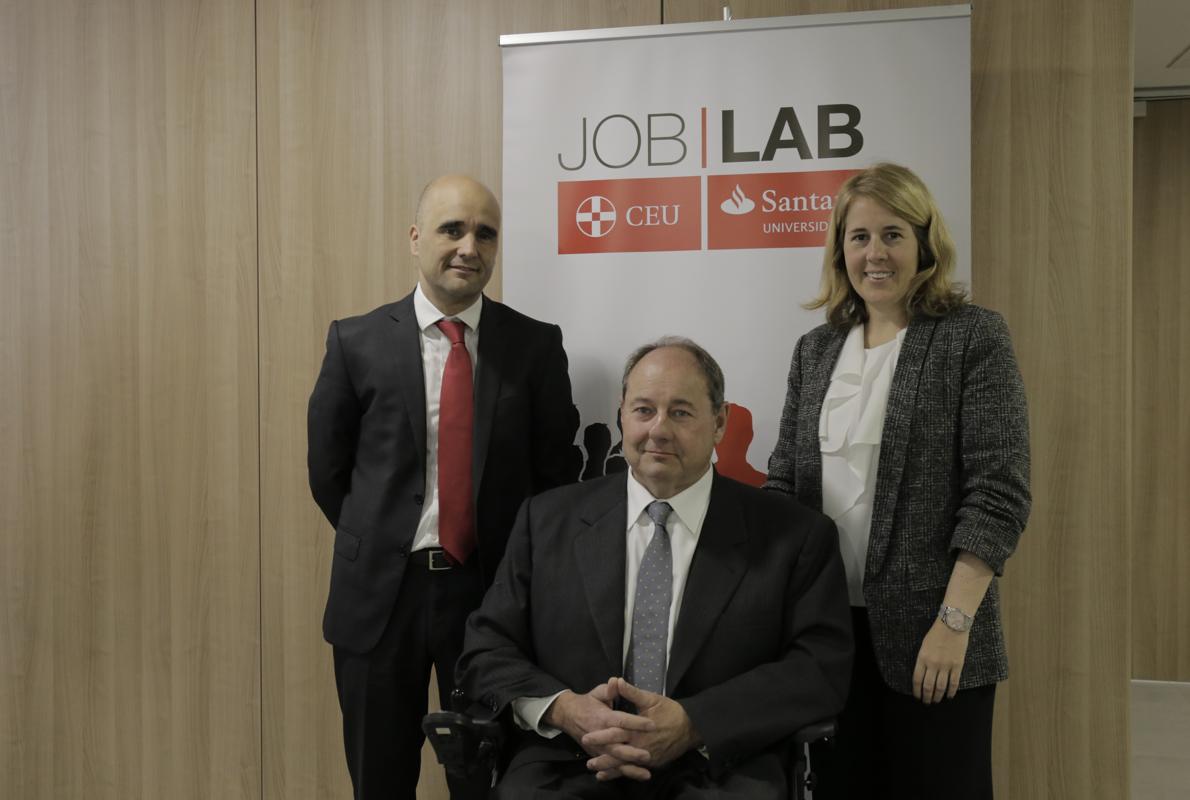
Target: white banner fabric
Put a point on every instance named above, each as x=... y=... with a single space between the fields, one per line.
x=677 y=179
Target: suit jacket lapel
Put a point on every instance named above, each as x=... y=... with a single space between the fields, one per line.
x=816 y=379
x=493 y=344
x=599 y=552
x=720 y=561
x=406 y=347
x=894 y=440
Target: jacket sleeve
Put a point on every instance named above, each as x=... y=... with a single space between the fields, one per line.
x=783 y=462
x=556 y=459
x=498 y=663
x=807 y=683
x=332 y=430
x=994 y=442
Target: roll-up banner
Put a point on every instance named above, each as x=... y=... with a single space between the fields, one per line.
x=678 y=179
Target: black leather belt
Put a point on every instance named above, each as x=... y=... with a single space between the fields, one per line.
x=432 y=558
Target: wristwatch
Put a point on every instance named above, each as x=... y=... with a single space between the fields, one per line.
x=956 y=619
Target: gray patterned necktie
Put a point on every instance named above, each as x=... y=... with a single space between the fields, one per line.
x=650 y=611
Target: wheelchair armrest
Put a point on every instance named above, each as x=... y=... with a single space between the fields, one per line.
x=445 y=723
x=814 y=732
x=800 y=770
x=467 y=747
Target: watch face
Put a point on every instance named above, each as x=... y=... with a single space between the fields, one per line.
x=955 y=620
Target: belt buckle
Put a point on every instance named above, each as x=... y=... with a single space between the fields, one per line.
x=437 y=561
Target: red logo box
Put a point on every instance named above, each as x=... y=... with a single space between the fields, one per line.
x=774 y=209
x=629 y=215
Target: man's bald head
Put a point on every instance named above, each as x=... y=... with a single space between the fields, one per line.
x=455 y=236
x=450 y=182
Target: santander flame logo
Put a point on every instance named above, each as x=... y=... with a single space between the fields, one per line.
x=739 y=203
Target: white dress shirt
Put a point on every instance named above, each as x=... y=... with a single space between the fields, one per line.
x=684 y=526
x=849 y=430
x=435 y=347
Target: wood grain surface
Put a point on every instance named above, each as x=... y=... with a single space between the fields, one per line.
x=129 y=574
x=191 y=191
x=1161 y=388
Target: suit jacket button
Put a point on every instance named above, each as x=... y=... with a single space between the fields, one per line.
x=419 y=498
x=403 y=551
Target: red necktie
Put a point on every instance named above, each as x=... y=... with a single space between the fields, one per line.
x=456 y=510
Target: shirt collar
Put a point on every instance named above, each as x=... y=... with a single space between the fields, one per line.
x=853 y=355
x=690 y=504
x=428 y=314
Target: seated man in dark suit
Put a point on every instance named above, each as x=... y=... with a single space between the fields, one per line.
x=719 y=610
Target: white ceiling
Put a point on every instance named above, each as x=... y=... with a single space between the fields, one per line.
x=1162 y=57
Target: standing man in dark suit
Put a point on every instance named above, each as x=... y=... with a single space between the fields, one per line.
x=719 y=611
x=432 y=419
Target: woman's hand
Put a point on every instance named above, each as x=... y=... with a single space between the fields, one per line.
x=939 y=663
x=943 y=651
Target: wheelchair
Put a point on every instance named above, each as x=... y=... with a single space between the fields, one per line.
x=469 y=745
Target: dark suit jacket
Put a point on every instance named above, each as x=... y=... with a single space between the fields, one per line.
x=953 y=475
x=762 y=644
x=367 y=448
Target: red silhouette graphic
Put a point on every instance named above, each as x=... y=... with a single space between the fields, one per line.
x=732 y=449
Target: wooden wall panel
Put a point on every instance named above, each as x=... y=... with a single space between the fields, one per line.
x=712 y=10
x=361 y=103
x=1161 y=389
x=129 y=577
x=130 y=648
x=1052 y=185
x=1051 y=205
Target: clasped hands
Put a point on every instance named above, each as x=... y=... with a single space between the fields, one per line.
x=622 y=744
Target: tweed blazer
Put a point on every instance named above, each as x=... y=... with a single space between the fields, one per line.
x=953 y=475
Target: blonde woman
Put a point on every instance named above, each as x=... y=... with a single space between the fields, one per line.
x=905 y=422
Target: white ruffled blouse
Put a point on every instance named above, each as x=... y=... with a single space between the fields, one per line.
x=849 y=430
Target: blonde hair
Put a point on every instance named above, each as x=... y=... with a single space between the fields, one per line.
x=931 y=292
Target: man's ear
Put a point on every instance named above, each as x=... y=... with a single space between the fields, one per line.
x=721 y=422
x=414 y=235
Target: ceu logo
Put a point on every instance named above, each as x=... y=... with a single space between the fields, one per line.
x=596 y=216
x=632 y=215
x=739 y=203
